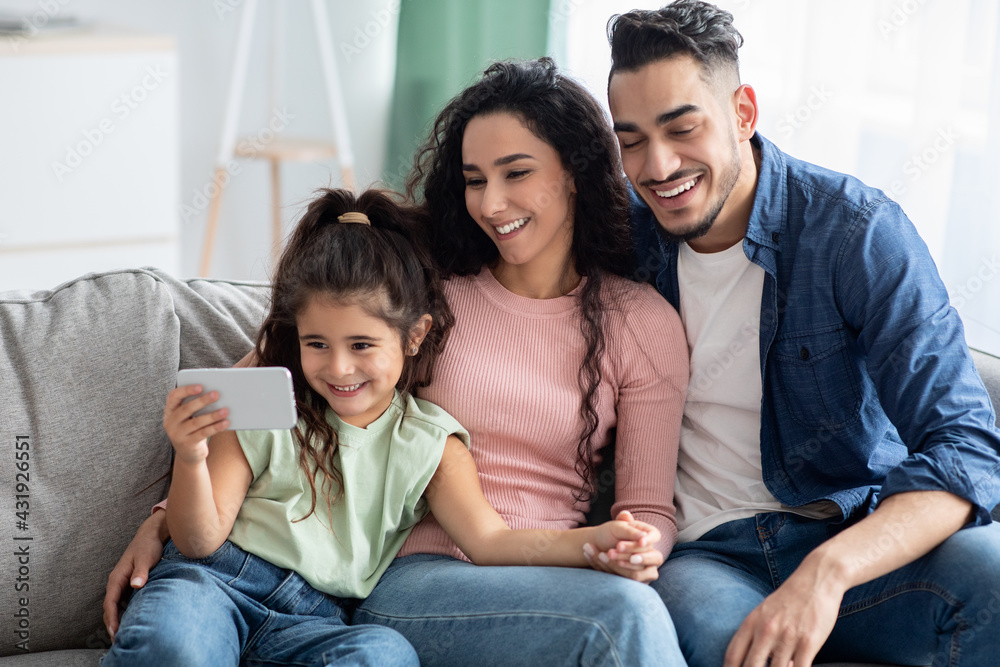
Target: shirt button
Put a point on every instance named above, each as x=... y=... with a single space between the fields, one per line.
x=774 y=237
x=804 y=354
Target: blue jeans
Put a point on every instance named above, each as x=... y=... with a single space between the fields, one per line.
x=942 y=609
x=456 y=613
x=235 y=608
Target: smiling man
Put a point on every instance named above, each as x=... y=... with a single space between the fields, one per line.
x=839 y=458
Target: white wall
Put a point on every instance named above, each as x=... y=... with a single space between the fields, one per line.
x=206 y=33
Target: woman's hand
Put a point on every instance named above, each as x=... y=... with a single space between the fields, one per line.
x=142 y=553
x=633 y=558
x=189 y=434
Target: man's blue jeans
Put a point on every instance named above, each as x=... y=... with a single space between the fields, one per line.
x=456 y=613
x=235 y=608
x=942 y=609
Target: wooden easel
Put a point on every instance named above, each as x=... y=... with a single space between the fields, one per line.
x=280 y=149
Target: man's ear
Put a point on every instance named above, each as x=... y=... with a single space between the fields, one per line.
x=745 y=106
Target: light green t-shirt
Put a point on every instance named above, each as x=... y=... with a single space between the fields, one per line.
x=386 y=468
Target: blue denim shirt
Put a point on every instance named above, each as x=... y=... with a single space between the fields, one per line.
x=868 y=386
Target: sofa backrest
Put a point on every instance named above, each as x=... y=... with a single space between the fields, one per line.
x=989 y=370
x=84 y=371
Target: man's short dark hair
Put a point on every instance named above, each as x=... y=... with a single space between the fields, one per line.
x=685 y=27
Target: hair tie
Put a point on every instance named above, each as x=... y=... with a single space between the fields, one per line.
x=354 y=216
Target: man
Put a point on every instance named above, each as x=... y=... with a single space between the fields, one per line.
x=836 y=436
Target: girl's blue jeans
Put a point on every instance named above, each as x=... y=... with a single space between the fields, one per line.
x=941 y=610
x=456 y=613
x=233 y=608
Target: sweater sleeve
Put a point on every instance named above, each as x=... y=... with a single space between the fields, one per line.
x=650 y=352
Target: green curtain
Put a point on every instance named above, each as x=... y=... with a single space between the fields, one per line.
x=442 y=46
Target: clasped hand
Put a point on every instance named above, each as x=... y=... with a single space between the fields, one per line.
x=628 y=553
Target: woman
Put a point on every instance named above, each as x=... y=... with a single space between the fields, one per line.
x=554 y=353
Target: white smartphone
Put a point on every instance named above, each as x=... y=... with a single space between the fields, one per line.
x=257 y=398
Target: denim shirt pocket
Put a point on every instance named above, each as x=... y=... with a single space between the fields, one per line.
x=818 y=382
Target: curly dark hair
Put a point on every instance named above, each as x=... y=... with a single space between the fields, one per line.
x=563 y=114
x=382 y=268
x=685 y=27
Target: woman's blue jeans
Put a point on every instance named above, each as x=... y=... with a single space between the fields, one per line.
x=941 y=610
x=456 y=613
x=234 y=608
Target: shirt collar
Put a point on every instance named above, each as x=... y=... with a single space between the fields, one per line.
x=767 y=218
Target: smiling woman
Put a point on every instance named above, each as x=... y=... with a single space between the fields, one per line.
x=518 y=192
x=554 y=354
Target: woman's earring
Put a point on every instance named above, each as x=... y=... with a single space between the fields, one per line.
x=414 y=350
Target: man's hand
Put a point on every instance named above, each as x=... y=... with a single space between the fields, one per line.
x=790 y=626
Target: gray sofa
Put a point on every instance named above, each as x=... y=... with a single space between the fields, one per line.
x=84 y=370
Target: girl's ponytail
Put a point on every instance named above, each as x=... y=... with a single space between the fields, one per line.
x=383 y=267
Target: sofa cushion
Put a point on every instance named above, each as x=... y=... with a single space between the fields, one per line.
x=84 y=371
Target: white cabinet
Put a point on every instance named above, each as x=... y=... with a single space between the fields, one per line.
x=89 y=155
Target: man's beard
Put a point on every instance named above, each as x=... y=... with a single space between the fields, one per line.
x=726 y=185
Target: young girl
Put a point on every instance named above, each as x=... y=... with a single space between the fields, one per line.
x=277 y=534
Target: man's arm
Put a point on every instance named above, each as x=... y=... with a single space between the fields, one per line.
x=889 y=292
x=792 y=623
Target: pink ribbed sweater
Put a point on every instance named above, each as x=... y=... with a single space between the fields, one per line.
x=509 y=375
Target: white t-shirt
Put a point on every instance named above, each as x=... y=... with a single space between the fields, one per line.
x=719 y=475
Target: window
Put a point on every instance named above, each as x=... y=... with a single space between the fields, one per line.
x=903 y=94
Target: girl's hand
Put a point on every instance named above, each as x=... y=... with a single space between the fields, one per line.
x=631 y=555
x=621 y=535
x=188 y=434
